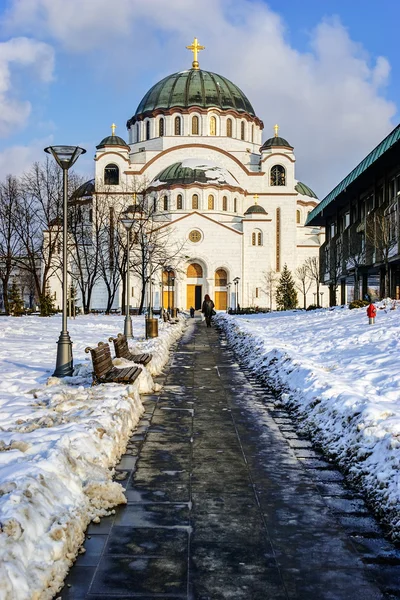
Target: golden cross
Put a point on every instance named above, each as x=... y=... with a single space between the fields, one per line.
x=195 y=48
x=113 y=128
x=276 y=129
x=255 y=198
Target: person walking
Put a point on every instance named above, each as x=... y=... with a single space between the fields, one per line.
x=208 y=309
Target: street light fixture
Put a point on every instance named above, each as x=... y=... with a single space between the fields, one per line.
x=65 y=156
x=161 y=295
x=236 y=282
x=228 y=287
x=128 y=221
x=321 y=294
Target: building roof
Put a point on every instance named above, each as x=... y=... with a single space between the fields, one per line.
x=194 y=87
x=112 y=140
x=302 y=188
x=276 y=141
x=195 y=170
x=255 y=208
x=84 y=190
x=366 y=163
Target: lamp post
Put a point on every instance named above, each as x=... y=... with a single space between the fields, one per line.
x=169 y=272
x=65 y=156
x=228 y=287
x=127 y=221
x=161 y=295
x=314 y=294
x=236 y=282
x=321 y=294
x=173 y=294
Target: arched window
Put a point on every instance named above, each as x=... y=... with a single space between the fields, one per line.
x=178 y=126
x=253 y=238
x=259 y=238
x=213 y=126
x=256 y=238
x=278 y=175
x=147 y=130
x=165 y=202
x=161 y=125
x=111 y=175
x=137 y=132
x=179 y=202
x=224 y=203
x=235 y=205
x=195 y=201
x=242 y=130
x=210 y=202
x=194 y=271
x=154 y=204
x=252 y=133
x=298 y=217
x=195 y=125
x=229 y=127
x=221 y=278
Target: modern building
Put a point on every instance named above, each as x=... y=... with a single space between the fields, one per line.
x=234 y=201
x=361 y=254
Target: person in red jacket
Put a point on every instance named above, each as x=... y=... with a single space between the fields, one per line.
x=371 y=312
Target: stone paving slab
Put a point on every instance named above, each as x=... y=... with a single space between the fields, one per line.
x=227 y=501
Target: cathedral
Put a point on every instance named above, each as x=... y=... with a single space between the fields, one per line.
x=232 y=198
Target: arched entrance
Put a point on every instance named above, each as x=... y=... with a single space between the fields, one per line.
x=194 y=275
x=221 y=295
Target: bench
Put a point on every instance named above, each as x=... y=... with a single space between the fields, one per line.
x=122 y=351
x=104 y=370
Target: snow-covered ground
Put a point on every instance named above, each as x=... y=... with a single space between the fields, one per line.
x=342 y=378
x=59 y=440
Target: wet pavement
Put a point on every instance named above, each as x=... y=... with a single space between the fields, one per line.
x=227 y=501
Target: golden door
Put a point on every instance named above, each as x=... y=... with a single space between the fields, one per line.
x=190 y=295
x=221 y=299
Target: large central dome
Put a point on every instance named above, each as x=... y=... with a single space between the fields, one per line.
x=194 y=87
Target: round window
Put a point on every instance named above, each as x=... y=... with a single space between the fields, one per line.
x=195 y=236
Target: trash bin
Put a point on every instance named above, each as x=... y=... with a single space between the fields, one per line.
x=151 y=328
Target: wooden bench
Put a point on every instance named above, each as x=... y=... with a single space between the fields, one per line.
x=104 y=370
x=122 y=351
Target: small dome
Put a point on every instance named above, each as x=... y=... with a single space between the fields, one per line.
x=302 y=188
x=254 y=209
x=193 y=87
x=83 y=191
x=276 y=141
x=112 y=140
x=195 y=170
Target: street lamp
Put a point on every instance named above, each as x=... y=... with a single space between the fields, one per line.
x=127 y=221
x=315 y=294
x=228 y=304
x=65 y=156
x=236 y=282
x=173 y=294
x=161 y=295
x=169 y=271
x=321 y=294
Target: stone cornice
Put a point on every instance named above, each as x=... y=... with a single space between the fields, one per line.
x=273 y=154
x=195 y=212
x=194 y=109
x=107 y=152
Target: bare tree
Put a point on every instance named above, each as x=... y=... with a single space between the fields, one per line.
x=356 y=258
x=10 y=242
x=269 y=283
x=335 y=268
x=303 y=282
x=381 y=233
x=313 y=270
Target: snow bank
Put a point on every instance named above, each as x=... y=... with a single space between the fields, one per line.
x=59 y=440
x=341 y=377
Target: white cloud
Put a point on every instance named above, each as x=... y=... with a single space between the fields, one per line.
x=329 y=100
x=38 y=59
x=17 y=159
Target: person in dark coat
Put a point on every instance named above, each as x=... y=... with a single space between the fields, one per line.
x=207 y=309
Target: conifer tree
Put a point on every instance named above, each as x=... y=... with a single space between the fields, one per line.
x=286 y=295
x=15 y=303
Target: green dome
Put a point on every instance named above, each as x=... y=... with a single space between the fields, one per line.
x=112 y=140
x=195 y=170
x=254 y=209
x=302 y=188
x=193 y=88
x=276 y=141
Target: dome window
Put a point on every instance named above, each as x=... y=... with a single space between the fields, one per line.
x=298 y=217
x=178 y=126
x=210 y=202
x=165 y=203
x=252 y=133
x=161 y=127
x=242 y=130
x=111 y=175
x=195 y=201
x=229 y=127
x=137 y=132
x=213 y=126
x=195 y=125
x=147 y=130
x=278 y=175
x=179 y=202
x=235 y=205
x=224 y=203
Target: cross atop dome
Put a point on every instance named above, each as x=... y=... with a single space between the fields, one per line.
x=113 y=128
x=195 y=48
x=276 y=129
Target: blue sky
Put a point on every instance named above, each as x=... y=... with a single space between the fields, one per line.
x=326 y=71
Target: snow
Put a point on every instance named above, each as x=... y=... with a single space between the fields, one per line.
x=340 y=376
x=213 y=172
x=59 y=442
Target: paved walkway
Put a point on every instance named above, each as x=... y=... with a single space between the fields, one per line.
x=225 y=501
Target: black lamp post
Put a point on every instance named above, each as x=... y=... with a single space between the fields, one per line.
x=65 y=157
x=228 y=287
x=236 y=282
x=169 y=272
x=128 y=221
x=161 y=295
